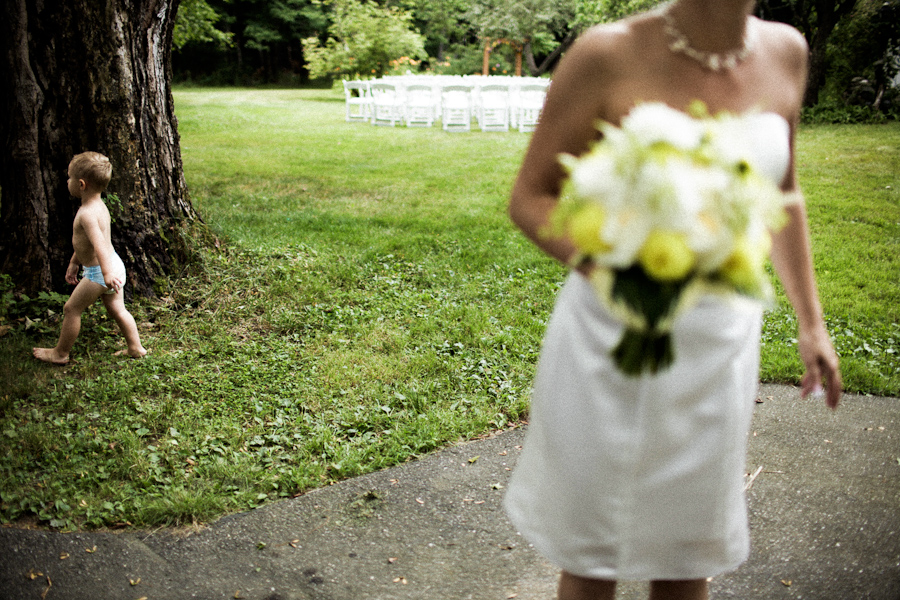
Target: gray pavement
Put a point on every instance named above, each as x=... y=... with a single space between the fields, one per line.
x=824 y=515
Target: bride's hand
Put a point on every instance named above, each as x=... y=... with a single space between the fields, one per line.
x=821 y=362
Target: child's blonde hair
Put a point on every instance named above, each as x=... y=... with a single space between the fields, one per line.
x=93 y=167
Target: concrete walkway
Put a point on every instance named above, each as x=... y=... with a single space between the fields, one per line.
x=824 y=514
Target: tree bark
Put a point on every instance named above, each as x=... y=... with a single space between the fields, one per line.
x=549 y=62
x=827 y=15
x=89 y=75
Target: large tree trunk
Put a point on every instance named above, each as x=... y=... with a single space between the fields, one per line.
x=89 y=75
x=817 y=20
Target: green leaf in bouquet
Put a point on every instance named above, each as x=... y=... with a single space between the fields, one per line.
x=653 y=299
x=641 y=352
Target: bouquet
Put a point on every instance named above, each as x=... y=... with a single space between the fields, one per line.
x=669 y=206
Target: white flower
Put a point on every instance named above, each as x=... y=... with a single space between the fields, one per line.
x=671 y=190
x=594 y=176
x=656 y=122
x=625 y=231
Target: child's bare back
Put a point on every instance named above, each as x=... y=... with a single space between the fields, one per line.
x=104 y=271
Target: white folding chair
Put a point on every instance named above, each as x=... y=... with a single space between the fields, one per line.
x=387 y=104
x=492 y=110
x=529 y=103
x=420 y=109
x=357 y=100
x=456 y=108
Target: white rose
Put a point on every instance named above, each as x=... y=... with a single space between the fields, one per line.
x=656 y=122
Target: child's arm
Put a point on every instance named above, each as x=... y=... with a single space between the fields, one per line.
x=112 y=273
x=72 y=270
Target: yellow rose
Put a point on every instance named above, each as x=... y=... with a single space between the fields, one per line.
x=743 y=266
x=665 y=256
x=584 y=229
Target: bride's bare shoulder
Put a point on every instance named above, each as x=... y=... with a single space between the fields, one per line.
x=783 y=42
x=616 y=44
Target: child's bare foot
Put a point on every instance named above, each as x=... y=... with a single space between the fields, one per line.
x=49 y=355
x=139 y=353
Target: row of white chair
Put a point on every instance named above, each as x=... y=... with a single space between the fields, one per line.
x=495 y=104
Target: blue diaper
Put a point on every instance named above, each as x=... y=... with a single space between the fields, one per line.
x=95 y=274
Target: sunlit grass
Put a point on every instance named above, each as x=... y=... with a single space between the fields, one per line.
x=368 y=301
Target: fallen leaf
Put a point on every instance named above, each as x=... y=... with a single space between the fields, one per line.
x=4 y=329
x=474 y=459
x=49 y=585
x=786 y=582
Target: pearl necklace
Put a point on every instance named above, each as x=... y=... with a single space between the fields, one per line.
x=714 y=61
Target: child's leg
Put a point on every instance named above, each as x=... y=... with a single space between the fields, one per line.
x=115 y=306
x=84 y=294
x=573 y=587
x=692 y=589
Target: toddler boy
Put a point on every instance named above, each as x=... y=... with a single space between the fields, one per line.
x=104 y=271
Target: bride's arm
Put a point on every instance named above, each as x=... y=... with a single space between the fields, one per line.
x=567 y=125
x=792 y=259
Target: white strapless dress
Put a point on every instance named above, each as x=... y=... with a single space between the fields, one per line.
x=642 y=478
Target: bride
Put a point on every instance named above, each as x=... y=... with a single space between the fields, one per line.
x=641 y=477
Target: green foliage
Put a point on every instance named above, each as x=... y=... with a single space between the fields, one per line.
x=368 y=301
x=592 y=12
x=865 y=46
x=196 y=22
x=841 y=113
x=363 y=39
x=520 y=20
x=440 y=22
x=39 y=314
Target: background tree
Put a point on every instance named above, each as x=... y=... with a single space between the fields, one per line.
x=363 y=39
x=441 y=24
x=817 y=20
x=864 y=54
x=196 y=22
x=265 y=44
x=529 y=26
x=86 y=75
x=584 y=14
x=592 y=12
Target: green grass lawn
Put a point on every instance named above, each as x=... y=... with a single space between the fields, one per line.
x=368 y=301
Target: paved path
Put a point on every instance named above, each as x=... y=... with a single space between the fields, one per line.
x=824 y=513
